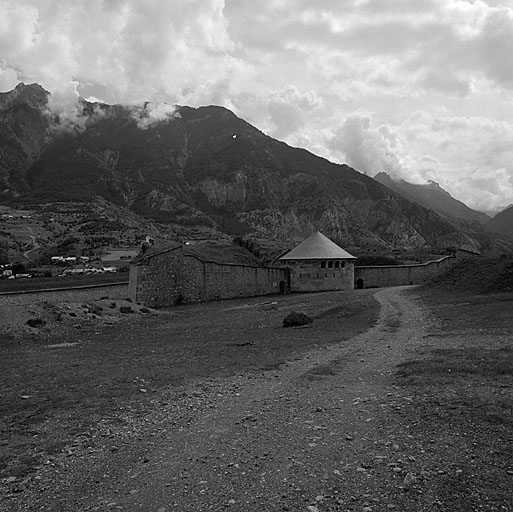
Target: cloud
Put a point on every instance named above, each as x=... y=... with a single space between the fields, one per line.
x=429 y=160
x=445 y=82
x=470 y=156
x=132 y=50
x=369 y=150
x=64 y=111
x=290 y=108
x=435 y=75
x=8 y=79
x=153 y=113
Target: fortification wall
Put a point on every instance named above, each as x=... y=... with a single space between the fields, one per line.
x=158 y=281
x=77 y=294
x=399 y=275
x=172 y=277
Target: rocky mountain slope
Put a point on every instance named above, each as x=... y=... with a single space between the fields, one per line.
x=434 y=197
x=202 y=168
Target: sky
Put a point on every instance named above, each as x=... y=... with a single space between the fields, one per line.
x=420 y=89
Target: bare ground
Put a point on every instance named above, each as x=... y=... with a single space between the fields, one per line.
x=337 y=427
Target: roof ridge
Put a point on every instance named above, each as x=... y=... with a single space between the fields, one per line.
x=317 y=246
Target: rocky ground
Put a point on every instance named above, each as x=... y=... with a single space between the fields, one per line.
x=338 y=429
x=51 y=320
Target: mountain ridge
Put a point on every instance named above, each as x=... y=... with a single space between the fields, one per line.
x=433 y=196
x=206 y=168
x=502 y=223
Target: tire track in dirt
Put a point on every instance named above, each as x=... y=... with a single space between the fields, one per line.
x=311 y=435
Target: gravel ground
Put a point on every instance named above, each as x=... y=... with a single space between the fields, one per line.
x=321 y=433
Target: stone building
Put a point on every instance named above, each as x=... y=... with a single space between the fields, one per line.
x=180 y=274
x=318 y=264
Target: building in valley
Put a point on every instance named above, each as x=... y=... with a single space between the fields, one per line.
x=318 y=264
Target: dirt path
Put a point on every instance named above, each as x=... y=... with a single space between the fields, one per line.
x=313 y=435
x=33 y=241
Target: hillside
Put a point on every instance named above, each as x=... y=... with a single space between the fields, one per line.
x=502 y=223
x=203 y=169
x=434 y=197
x=482 y=275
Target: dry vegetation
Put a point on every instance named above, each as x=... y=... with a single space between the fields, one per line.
x=54 y=390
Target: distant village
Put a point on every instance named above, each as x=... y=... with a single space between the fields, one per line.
x=113 y=260
x=65 y=242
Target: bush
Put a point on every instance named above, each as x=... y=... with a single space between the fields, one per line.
x=96 y=310
x=35 y=322
x=295 y=319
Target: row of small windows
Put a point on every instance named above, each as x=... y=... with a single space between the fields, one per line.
x=326 y=264
x=307 y=276
x=332 y=264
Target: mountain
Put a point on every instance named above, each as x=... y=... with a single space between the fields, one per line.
x=202 y=168
x=492 y=212
x=502 y=223
x=432 y=196
x=23 y=130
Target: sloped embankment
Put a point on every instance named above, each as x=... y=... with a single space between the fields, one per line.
x=478 y=275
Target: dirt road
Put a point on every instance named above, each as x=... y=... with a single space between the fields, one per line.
x=317 y=434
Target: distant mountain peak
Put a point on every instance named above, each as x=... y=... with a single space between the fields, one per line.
x=432 y=195
x=502 y=222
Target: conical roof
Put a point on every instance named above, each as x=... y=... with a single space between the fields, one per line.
x=317 y=246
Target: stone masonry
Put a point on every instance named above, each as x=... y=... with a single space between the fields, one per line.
x=399 y=275
x=171 y=276
x=321 y=275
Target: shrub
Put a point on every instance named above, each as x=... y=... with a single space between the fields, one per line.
x=35 y=322
x=96 y=310
x=295 y=319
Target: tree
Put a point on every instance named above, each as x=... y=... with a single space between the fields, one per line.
x=18 y=268
x=4 y=255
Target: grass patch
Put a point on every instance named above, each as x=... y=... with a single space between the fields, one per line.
x=44 y=283
x=447 y=364
x=460 y=399
x=477 y=275
x=464 y=383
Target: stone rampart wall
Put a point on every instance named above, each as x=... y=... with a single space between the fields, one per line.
x=76 y=294
x=173 y=277
x=399 y=275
